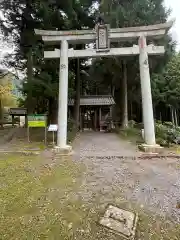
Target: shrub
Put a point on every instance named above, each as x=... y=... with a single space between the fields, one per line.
x=70 y=124
x=168 y=124
x=132 y=123
x=161 y=131
x=166 y=133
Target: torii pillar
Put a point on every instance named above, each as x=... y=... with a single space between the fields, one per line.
x=147 y=106
x=63 y=98
x=148 y=117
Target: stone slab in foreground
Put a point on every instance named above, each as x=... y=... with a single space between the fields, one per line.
x=120 y=221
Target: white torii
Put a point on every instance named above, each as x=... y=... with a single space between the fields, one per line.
x=103 y=36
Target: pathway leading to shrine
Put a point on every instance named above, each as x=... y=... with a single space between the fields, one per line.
x=150 y=184
x=102 y=144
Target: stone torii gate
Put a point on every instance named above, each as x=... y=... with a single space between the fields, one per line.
x=102 y=35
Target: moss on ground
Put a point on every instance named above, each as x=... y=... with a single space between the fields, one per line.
x=40 y=201
x=33 y=201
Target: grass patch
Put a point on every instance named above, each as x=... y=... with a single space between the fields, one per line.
x=71 y=136
x=37 y=142
x=132 y=134
x=34 y=198
x=42 y=202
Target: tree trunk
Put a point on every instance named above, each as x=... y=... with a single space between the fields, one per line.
x=113 y=110
x=131 y=110
x=29 y=99
x=77 y=97
x=112 y=90
x=124 y=96
x=172 y=115
x=160 y=116
x=28 y=32
x=176 y=119
x=154 y=112
x=177 y=116
x=53 y=111
x=1 y=112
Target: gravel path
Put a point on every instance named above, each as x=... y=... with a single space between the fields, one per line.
x=151 y=184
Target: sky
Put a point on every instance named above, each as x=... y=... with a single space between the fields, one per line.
x=174 y=5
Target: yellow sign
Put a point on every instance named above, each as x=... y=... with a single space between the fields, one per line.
x=36 y=121
x=37 y=124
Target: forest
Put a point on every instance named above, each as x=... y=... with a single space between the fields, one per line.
x=100 y=76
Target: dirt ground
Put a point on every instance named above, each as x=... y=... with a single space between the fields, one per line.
x=112 y=167
x=44 y=197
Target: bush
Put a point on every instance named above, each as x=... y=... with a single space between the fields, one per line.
x=132 y=133
x=71 y=130
x=161 y=131
x=132 y=123
x=168 y=124
x=70 y=124
x=166 y=133
x=139 y=126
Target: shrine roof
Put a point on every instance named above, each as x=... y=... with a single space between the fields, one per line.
x=98 y=100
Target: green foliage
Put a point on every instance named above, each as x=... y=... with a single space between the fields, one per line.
x=70 y=124
x=21 y=102
x=108 y=73
x=133 y=13
x=131 y=123
x=23 y=16
x=105 y=75
x=131 y=133
x=157 y=85
x=166 y=133
x=166 y=86
x=172 y=80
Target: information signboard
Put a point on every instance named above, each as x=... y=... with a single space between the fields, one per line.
x=53 y=128
x=36 y=120
x=18 y=111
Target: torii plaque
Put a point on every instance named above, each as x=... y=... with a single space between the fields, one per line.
x=102 y=41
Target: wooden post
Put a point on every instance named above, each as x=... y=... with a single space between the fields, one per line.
x=80 y=118
x=110 y=111
x=125 y=96
x=95 y=119
x=100 y=116
x=13 y=120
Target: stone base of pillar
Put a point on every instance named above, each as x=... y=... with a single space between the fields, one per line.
x=65 y=151
x=150 y=148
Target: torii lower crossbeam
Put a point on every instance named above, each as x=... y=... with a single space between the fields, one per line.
x=129 y=51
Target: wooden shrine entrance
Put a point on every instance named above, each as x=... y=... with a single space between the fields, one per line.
x=94 y=112
x=89 y=118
